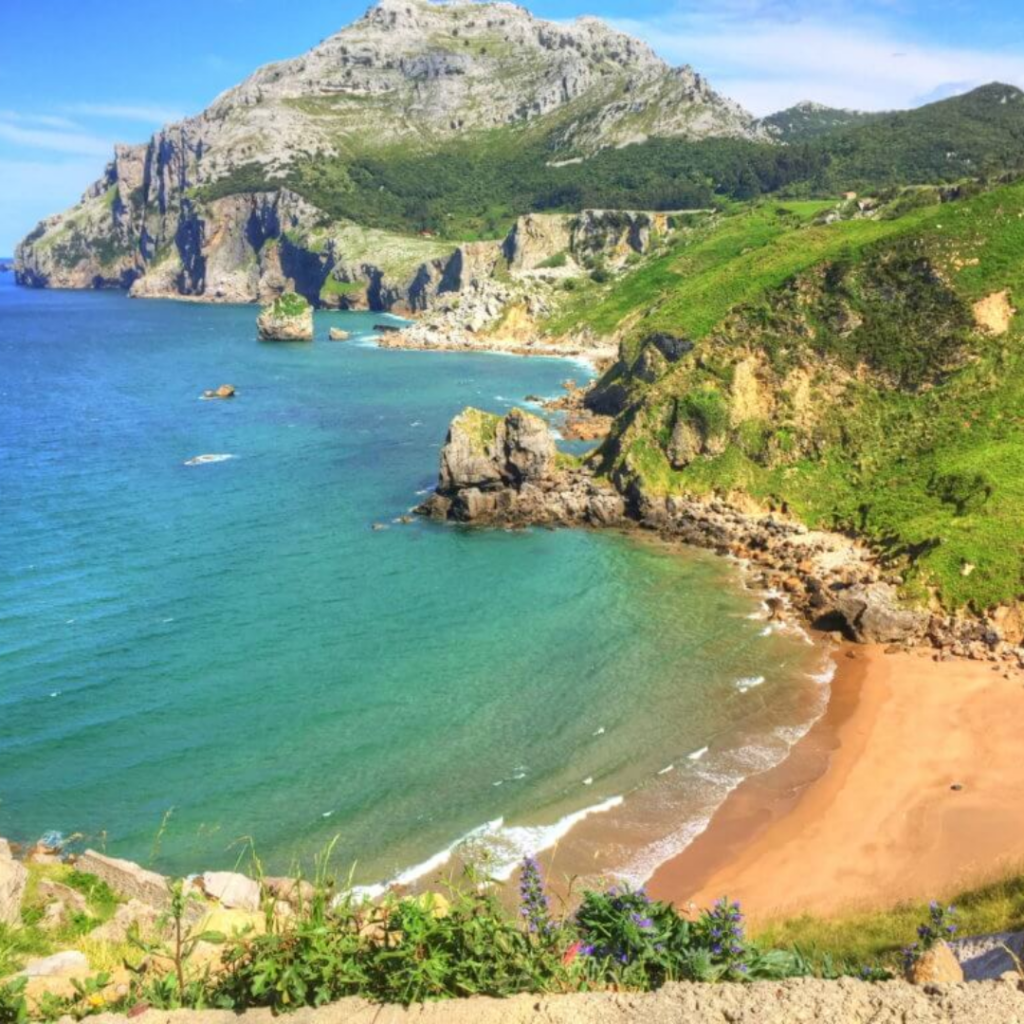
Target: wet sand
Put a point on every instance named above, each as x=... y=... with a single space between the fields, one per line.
x=863 y=813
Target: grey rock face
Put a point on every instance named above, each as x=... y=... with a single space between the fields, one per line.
x=874 y=615
x=506 y=470
x=126 y=879
x=406 y=70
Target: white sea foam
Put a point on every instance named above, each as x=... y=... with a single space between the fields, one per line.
x=600 y=732
x=505 y=846
x=668 y=768
x=748 y=683
x=589 y=780
x=205 y=460
x=825 y=674
x=697 y=754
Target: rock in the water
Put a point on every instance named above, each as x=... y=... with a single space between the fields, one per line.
x=13 y=879
x=937 y=965
x=508 y=470
x=337 y=334
x=125 y=878
x=232 y=890
x=224 y=391
x=874 y=615
x=290 y=318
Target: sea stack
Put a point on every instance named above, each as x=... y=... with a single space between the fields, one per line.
x=288 y=318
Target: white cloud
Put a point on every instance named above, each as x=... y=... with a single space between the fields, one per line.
x=145 y=112
x=34 y=189
x=768 y=62
x=47 y=120
x=58 y=140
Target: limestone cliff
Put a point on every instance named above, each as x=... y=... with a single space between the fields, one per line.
x=202 y=210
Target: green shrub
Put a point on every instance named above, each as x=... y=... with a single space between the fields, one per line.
x=554 y=262
x=289 y=304
x=13 y=1007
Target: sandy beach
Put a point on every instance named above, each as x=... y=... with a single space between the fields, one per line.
x=864 y=812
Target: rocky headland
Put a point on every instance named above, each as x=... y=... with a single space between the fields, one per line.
x=223 y=206
x=508 y=471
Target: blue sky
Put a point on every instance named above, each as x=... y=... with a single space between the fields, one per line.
x=76 y=76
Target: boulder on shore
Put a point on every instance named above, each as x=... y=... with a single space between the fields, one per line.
x=874 y=615
x=337 y=334
x=935 y=966
x=289 y=318
x=128 y=880
x=232 y=890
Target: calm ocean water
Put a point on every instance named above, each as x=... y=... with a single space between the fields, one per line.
x=233 y=643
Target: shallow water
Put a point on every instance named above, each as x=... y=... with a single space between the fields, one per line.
x=231 y=642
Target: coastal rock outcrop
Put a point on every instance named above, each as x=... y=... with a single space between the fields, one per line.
x=238 y=202
x=874 y=615
x=127 y=879
x=935 y=966
x=289 y=318
x=508 y=470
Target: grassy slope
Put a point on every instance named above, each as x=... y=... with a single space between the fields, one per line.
x=475 y=185
x=879 y=936
x=884 y=458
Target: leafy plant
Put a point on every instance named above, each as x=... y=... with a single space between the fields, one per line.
x=176 y=988
x=940 y=927
x=13 y=1007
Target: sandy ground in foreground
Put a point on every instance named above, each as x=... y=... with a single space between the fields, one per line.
x=863 y=813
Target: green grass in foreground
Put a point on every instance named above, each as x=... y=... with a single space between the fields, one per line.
x=879 y=936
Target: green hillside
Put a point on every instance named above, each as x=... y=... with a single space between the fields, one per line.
x=477 y=184
x=840 y=369
x=807 y=121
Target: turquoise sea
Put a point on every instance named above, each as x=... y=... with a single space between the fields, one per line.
x=231 y=649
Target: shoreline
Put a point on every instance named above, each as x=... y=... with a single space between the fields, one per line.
x=863 y=813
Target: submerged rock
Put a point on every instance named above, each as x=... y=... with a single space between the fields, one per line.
x=224 y=391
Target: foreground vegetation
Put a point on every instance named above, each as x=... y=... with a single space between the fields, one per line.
x=475 y=940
